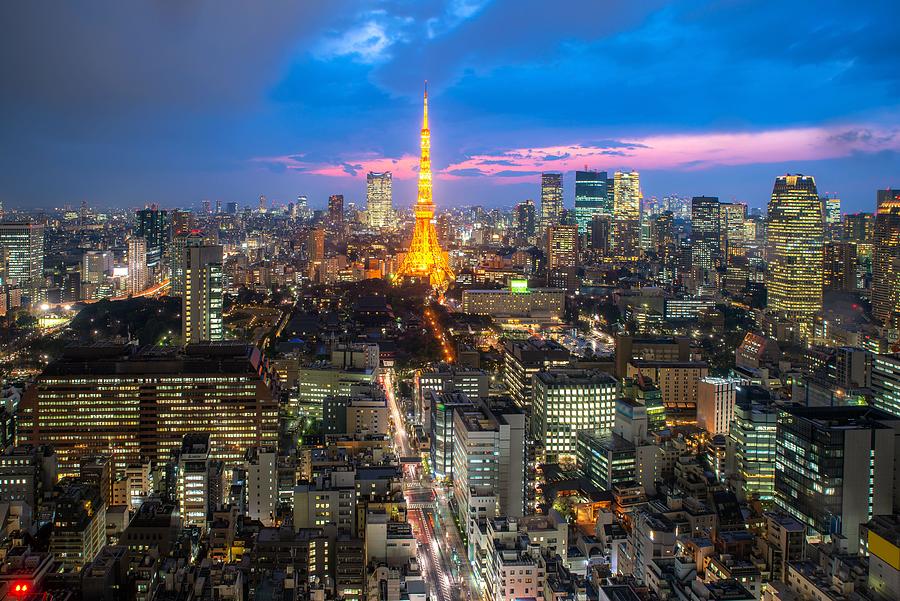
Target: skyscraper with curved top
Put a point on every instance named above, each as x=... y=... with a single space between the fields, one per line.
x=796 y=238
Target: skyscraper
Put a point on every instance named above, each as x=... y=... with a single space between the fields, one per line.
x=562 y=246
x=23 y=245
x=152 y=225
x=525 y=219
x=840 y=265
x=379 y=199
x=336 y=209
x=732 y=228
x=832 y=216
x=626 y=214
x=795 y=233
x=705 y=231
x=137 y=264
x=592 y=197
x=601 y=233
x=886 y=261
x=886 y=194
x=180 y=242
x=551 y=199
x=201 y=313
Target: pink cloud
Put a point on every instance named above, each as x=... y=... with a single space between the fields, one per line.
x=668 y=151
x=404 y=167
x=680 y=151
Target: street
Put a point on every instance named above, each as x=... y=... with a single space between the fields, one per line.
x=441 y=552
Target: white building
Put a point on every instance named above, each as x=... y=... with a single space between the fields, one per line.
x=262 y=484
x=715 y=404
x=567 y=401
x=488 y=463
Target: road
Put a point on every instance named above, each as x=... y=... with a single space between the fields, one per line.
x=441 y=552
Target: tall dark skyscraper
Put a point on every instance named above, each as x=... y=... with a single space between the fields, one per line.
x=593 y=195
x=705 y=231
x=526 y=219
x=336 y=208
x=886 y=194
x=551 y=199
x=886 y=260
x=153 y=225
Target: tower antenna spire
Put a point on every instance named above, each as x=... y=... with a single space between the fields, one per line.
x=425 y=103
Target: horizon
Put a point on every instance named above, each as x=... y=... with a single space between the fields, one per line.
x=286 y=100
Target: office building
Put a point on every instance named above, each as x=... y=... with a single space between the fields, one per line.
x=336 y=209
x=26 y=473
x=524 y=358
x=834 y=467
x=886 y=383
x=442 y=407
x=679 y=383
x=551 y=199
x=79 y=525
x=732 y=228
x=23 y=250
x=261 y=467
x=113 y=400
x=601 y=233
x=152 y=225
x=886 y=261
x=592 y=197
x=840 y=266
x=566 y=402
x=380 y=199
x=96 y=265
x=562 y=247
x=137 y=265
x=201 y=314
x=605 y=459
x=752 y=438
x=795 y=251
x=195 y=489
x=315 y=246
x=183 y=222
x=715 y=404
x=705 y=232
x=626 y=214
x=518 y=301
x=180 y=243
x=443 y=378
x=525 y=216
x=488 y=462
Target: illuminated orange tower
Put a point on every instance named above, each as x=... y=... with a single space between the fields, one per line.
x=426 y=259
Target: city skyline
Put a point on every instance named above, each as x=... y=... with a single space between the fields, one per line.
x=313 y=98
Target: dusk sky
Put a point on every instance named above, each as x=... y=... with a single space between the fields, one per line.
x=124 y=103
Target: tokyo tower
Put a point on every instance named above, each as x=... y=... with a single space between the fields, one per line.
x=425 y=259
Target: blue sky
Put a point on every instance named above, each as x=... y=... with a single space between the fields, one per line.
x=127 y=103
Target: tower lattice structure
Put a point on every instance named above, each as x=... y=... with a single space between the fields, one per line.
x=426 y=259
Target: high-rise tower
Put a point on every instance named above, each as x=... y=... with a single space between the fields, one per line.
x=426 y=259
x=379 y=199
x=796 y=240
x=551 y=199
x=627 y=214
x=886 y=262
x=592 y=197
